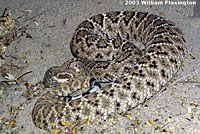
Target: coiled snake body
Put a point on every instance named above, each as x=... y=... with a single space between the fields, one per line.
x=104 y=48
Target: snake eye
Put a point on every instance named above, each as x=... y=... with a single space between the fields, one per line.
x=64 y=76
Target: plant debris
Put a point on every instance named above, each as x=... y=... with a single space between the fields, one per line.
x=10 y=30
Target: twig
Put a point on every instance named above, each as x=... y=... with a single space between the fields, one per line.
x=34 y=16
x=4 y=12
x=23 y=74
x=16 y=79
x=182 y=78
x=188 y=82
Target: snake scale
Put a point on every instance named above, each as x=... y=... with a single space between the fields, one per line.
x=104 y=48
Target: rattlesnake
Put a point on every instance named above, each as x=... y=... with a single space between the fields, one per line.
x=104 y=48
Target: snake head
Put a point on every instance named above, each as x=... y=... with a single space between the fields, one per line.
x=67 y=72
x=57 y=75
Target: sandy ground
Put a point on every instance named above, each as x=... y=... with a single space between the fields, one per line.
x=176 y=110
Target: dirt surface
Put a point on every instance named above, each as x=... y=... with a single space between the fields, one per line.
x=52 y=24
